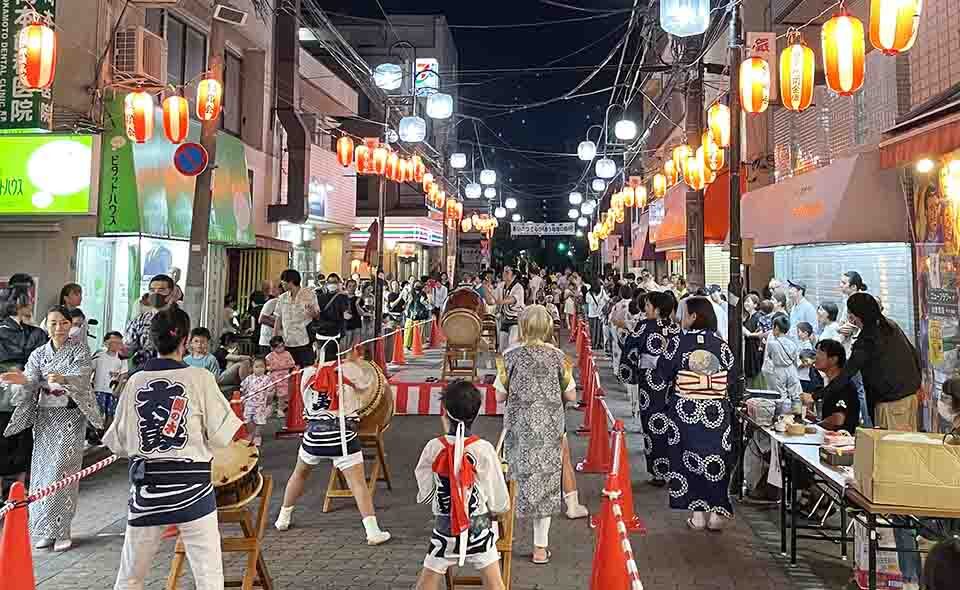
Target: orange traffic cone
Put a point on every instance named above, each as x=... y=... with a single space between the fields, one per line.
x=294 y=425
x=397 y=357
x=598 y=449
x=16 y=557
x=609 y=561
x=380 y=355
x=574 y=330
x=237 y=405
x=417 y=342
x=586 y=399
x=624 y=483
x=437 y=337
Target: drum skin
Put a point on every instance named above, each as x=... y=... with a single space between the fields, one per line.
x=376 y=405
x=465 y=298
x=461 y=317
x=236 y=474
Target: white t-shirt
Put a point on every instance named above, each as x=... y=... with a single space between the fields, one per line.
x=294 y=316
x=266 y=332
x=535 y=282
x=514 y=309
x=106 y=367
x=595 y=303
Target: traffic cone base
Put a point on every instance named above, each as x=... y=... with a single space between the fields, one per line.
x=417 y=341
x=609 y=569
x=16 y=556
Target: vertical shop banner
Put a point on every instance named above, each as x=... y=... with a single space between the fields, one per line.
x=764 y=46
x=22 y=109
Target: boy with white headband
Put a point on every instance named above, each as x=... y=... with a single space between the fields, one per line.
x=461 y=475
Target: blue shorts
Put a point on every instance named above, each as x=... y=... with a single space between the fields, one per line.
x=107 y=403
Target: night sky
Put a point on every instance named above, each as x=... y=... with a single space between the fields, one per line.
x=533 y=179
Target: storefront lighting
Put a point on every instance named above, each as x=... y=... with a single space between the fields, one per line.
x=660 y=184
x=606 y=168
x=684 y=18
x=573 y=213
x=176 y=119
x=625 y=130
x=718 y=119
x=473 y=191
x=950 y=180
x=515 y=218
x=488 y=177
x=843 y=53
x=458 y=160
x=388 y=76
x=575 y=198
x=500 y=212
x=598 y=185
x=754 y=85
x=797 y=65
x=439 y=106
x=587 y=150
x=925 y=166
x=412 y=129
x=138 y=116
x=36 y=56
x=209 y=99
x=490 y=192
x=345 y=148
x=894 y=24
x=510 y=203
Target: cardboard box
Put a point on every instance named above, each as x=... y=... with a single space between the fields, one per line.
x=914 y=469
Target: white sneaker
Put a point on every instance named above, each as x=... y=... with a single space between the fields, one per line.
x=62 y=545
x=45 y=543
x=378 y=538
x=284 y=518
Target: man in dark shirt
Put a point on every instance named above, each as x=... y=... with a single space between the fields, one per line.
x=841 y=404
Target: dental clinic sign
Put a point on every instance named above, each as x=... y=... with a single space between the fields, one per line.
x=542 y=229
x=22 y=109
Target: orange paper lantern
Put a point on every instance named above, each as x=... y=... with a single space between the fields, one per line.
x=796 y=74
x=680 y=155
x=670 y=174
x=36 y=56
x=754 y=85
x=712 y=153
x=209 y=99
x=894 y=24
x=629 y=197
x=380 y=156
x=363 y=156
x=693 y=173
x=345 y=149
x=843 y=53
x=138 y=116
x=419 y=169
x=641 y=193
x=660 y=184
x=176 y=118
x=718 y=119
x=427 y=180
x=393 y=166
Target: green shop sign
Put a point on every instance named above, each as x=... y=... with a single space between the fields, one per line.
x=22 y=109
x=141 y=192
x=46 y=174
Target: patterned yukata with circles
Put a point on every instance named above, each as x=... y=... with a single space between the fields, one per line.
x=638 y=361
x=696 y=366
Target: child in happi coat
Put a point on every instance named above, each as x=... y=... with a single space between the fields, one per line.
x=461 y=476
x=280 y=364
x=256 y=393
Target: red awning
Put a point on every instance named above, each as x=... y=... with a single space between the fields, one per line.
x=849 y=201
x=672 y=231
x=937 y=137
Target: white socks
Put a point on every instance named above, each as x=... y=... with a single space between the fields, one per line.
x=541 y=532
x=575 y=509
x=374 y=535
x=283 y=519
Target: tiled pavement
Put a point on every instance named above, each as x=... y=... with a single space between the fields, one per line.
x=326 y=551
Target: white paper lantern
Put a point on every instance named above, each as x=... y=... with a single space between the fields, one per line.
x=586 y=208
x=473 y=191
x=490 y=192
x=625 y=130
x=488 y=177
x=510 y=203
x=388 y=76
x=598 y=185
x=579 y=233
x=576 y=198
x=605 y=168
x=499 y=212
x=573 y=213
x=516 y=217
x=412 y=129
x=684 y=18
x=586 y=150
x=458 y=160
x=582 y=222
x=439 y=106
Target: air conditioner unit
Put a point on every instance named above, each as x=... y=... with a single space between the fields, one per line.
x=140 y=54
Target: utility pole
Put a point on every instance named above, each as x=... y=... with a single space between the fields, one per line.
x=735 y=290
x=203 y=191
x=696 y=272
x=381 y=225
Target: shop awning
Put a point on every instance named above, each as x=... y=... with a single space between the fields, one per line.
x=926 y=131
x=672 y=231
x=851 y=200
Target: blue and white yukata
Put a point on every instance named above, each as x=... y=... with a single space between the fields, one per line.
x=638 y=361
x=696 y=366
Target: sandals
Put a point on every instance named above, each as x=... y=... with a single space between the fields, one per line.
x=536 y=561
x=694 y=527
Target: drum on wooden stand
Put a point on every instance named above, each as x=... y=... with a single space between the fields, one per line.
x=375 y=404
x=461 y=319
x=236 y=474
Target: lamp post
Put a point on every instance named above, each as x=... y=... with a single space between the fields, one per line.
x=735 y=289
x=694 y=198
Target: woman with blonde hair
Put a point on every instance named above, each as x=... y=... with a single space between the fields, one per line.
x=535 y=379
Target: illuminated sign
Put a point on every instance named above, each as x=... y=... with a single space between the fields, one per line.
x=426 y=76
x=46 y=174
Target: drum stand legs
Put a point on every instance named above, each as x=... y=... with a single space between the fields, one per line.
x=460 y=361
x=255 y=573
x=372 y=442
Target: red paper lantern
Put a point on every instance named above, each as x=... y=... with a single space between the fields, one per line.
x=209 y=99
x=406 y=168
x=138 y=116
x=176 y=118
x=844 y=53
x=363 y=156
x=427 y=180
x=670 y=173
x=380 y=156
x=36 y=56
x=754 y=85
x=419 y=169
x=894 y=24
x=393 y=167
x=345 y=149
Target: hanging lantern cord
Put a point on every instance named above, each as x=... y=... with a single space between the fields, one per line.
x=826 y=10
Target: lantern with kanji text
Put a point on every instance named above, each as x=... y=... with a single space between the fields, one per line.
x=138 y=116
x=380 y=156
x=670 y=172
x=659 y=184
x=796 y=73
x=693 y=173
x=680 y=155
x=176 y=118
x=209 y=99
x=419 y=169
x=718 y=119
x=393 y=167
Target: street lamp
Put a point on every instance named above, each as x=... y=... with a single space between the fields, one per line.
x=515 y=217
x=388 y=76
x=625 y=130
x=439 y=106
x=472 y=191
x=576 y=198
x=582 y=222
x=606 y=168
x=500 y=212
x=598 y=185
x=488 y=177
x=587 y=208
x=586 y=150
x=413 y=129
x=490 y=192
x=458 y=160
x=684 y=18
x=573 y=213
x=510 y=203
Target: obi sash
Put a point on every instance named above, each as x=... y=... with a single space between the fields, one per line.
x=698 y=385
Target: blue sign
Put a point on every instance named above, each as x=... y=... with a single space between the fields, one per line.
x=190 y=159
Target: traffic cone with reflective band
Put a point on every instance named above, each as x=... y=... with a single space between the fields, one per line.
x=598 y=449
x=417 y=341
x=397 y=357
x=620 y=479
x=294 y=425
x=16 y=557
x=437 y=337
x=614 y=567
x=236 y=404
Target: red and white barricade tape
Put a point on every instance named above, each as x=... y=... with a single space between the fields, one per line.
x=423 y=399
x=59 y=485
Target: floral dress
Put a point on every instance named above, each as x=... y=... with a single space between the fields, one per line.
x=534 y=377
